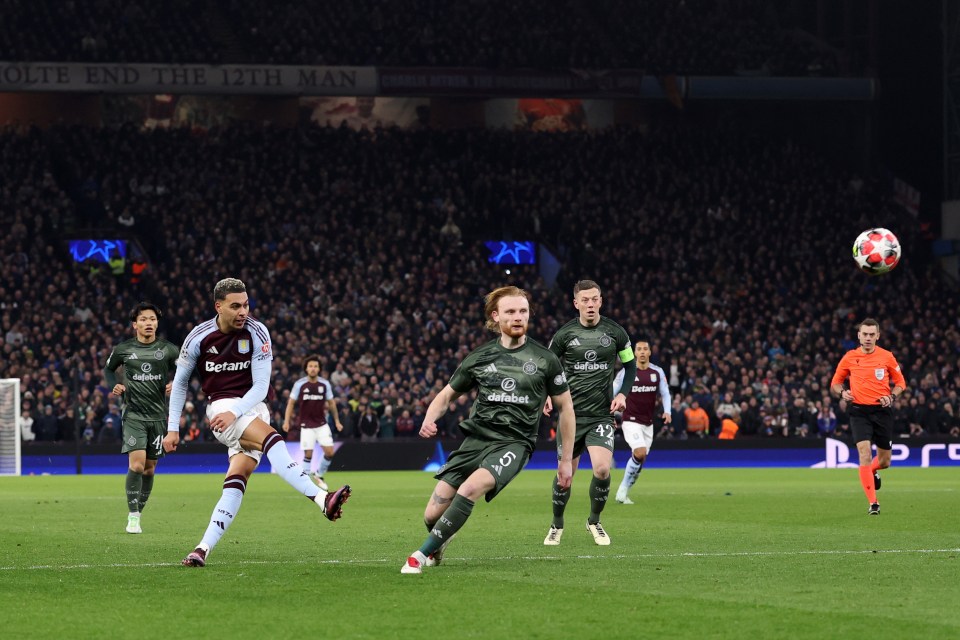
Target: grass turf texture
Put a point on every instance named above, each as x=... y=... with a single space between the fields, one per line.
x=703 y=554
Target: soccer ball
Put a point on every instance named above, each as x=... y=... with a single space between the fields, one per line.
x=876 y=251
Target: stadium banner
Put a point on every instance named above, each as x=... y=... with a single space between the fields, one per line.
x=736 y=88
x=225 y=79
x=548 y=114
x=365 y=112
x=484 y=82
x=429 y=455
x=906 y=196
x=828 y=453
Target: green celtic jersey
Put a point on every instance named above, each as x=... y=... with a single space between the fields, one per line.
x=512 y=386
x=146 y=369
x=588 y=356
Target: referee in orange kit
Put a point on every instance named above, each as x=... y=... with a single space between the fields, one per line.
x=871 y=371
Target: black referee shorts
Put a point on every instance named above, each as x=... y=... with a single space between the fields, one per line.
x=872 y=422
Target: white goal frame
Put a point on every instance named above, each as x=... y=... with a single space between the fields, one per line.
x=10 y=436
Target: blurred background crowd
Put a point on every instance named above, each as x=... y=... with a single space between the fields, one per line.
x=749 y=37
x=731 y=252
x=725 y=244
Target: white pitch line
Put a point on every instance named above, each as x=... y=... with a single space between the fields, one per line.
x=638 y=556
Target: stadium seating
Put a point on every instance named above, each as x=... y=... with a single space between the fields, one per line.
x=732 y=252
x=704 y=37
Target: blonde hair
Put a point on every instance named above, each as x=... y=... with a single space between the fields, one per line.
x=492 y=299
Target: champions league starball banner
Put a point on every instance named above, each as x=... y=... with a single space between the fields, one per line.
x=829 y=453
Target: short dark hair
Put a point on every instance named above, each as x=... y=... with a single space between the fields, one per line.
x=228 y=286
x=869 y=322
x=144 y=306
x=583 y=285
x=310 y=359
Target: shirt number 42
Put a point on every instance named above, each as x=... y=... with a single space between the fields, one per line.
x=605 y=431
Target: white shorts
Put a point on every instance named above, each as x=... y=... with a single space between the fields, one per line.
x=638 y=435
x=317 y=435
x=231 y=435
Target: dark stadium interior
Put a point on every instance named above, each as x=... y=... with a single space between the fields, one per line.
x=721 y=230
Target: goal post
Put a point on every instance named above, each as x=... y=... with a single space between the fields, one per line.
x=10 y=427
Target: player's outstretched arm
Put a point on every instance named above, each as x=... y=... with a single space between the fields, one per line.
x=567 y=426
x=333 y=411
x=288 y=414
x=438 y=407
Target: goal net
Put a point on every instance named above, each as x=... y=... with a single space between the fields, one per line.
x=9 y=427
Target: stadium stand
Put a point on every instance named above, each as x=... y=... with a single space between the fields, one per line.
x=338 y=236
x=706 y=37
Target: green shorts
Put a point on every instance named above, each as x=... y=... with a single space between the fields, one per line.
x=144 y=435
x=591 y=432
x=503 y=459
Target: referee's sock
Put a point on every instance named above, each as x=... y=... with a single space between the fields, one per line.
x=875 y=465
x=866 y=479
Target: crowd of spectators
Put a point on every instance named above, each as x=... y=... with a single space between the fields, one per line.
x=172 y=32
x=730 y=251
x=703 y=37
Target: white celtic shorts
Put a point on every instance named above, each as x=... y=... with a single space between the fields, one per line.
x=317 y=435
x=638 y=435
x=231 y=435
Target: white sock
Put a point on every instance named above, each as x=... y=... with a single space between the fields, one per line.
x=307 y=465
x=323 y=467
x=286 y=467
x=629 y=475
x=223 y=513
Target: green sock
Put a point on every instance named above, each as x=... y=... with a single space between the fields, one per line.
x=134 y=485
x=599 y=489
x=560 y=499
x=145 y=489
x=449 y=523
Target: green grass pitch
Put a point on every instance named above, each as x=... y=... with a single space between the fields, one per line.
x=764 y=553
